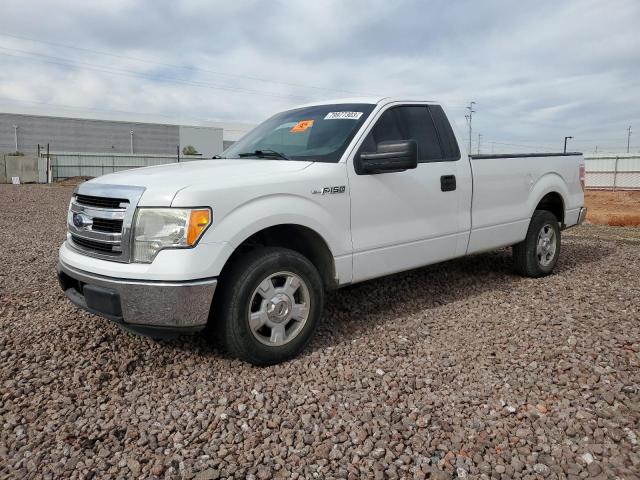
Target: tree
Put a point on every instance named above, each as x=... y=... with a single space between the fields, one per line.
x=189 y=150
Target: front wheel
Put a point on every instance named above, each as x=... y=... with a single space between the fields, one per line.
x=270 y=305
x=537 y=254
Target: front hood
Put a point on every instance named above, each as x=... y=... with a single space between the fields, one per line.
x=162 y=182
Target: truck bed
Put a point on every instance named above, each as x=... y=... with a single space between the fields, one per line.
x=507 y=188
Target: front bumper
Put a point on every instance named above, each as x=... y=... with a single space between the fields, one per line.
x=155 y=308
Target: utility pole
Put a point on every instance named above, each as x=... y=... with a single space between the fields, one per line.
x=469 y=118
x=565 y=143
x=479 y=140
x=628 y=137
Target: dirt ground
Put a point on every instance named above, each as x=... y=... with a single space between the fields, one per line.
x=620 y=209
x=457 y=370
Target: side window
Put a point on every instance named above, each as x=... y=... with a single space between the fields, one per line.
x=450 y=149
x=406 y=123
x=416 y=124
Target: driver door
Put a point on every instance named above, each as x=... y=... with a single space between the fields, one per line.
x=403 y=220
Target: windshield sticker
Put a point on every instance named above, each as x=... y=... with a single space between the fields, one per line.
x=302 y=126
x=343 y=116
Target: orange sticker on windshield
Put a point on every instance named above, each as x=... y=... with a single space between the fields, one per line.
x=301 y=126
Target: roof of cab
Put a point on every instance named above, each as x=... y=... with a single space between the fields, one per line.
x=370 y=100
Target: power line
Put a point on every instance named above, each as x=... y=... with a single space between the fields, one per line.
x=183 y=67
x=89 y=109
x=493 y=142
x=130 y=73
x=520 y=145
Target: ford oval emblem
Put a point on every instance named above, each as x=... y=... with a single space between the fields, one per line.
x=81 y=221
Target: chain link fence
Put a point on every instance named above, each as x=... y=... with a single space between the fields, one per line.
x=63 y=165
x=612 y=172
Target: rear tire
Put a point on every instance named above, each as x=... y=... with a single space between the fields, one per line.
x=269 y=306
x=537 y=254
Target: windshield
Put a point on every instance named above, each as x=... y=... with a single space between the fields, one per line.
x=319 y=133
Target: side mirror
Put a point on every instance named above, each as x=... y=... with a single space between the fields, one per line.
x=392 y=156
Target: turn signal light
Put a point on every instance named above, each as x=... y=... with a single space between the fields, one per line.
x=198 y=222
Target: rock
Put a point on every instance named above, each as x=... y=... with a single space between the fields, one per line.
x=587 y=457
x=378 y=453
x=474 y=372
x=594 y=468
x=542 y=469
x=158 y=469
x=134 y=466
x=264 y=473
x=517 y=465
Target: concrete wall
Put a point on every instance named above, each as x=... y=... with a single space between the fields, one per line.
x=24 y=167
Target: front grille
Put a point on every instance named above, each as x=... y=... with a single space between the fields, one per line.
x=107 y=225
x=93 y=245
x=101 y=202
x=103 y=226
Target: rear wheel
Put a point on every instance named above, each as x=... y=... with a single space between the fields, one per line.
x=538 y=253
x=269 y=306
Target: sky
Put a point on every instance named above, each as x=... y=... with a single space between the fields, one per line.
x=537 y=70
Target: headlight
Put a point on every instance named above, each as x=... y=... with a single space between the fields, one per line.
x=159 y=228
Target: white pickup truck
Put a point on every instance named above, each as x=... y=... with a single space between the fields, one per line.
x=314 y=198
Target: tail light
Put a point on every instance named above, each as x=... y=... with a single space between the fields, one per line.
x=582 y=174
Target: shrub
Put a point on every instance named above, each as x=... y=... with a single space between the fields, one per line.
x=189 y=150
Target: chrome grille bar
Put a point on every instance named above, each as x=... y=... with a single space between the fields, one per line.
x=112 y=207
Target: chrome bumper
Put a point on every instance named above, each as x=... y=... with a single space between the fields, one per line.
x=142 y=306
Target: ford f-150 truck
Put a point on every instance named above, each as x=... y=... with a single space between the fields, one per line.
x=312 y=199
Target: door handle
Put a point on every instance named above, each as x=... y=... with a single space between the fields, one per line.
x=448 y=183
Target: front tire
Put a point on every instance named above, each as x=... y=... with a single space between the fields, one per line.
x=537 y=254
x=269 y=306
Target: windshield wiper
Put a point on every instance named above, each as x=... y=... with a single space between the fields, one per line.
x=264 y=154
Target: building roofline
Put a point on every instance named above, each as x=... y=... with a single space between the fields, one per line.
x=114 y=119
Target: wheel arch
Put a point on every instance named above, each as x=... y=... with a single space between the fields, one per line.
x=554 y=203
x=550 y=193
x=300 y=238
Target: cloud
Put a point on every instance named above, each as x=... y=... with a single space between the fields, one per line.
x=538 y=71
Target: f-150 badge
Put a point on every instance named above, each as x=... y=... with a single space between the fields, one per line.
x=329 y=190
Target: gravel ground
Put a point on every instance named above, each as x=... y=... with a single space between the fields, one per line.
x=457 y=370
